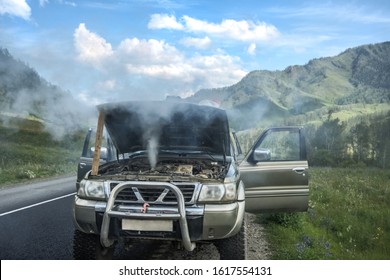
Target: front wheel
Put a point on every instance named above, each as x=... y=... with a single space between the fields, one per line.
x=88 y=247
x=234 y=247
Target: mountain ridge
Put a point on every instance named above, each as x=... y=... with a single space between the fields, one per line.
x=357 y=75
x=25 y=93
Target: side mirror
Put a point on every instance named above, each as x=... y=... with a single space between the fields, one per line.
x=261 y=154
x=103 y=152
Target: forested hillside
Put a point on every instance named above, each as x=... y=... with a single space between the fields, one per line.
x=358 y=75
x=24 y=93
x=40 y=124
x=343 y=101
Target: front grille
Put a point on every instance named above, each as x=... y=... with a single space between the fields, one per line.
x=187 y=191
x=160 y=195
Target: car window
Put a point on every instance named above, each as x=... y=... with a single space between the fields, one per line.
x=282 y=145
x=108 y=150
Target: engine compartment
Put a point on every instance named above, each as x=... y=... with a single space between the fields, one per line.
x=191 y=168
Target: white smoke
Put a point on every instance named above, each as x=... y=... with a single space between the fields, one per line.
x=153 y=151
x=156 y=125
x=24 y=93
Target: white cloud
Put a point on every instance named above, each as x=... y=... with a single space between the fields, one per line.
x=90 y=46
x=18 y=8
x=242 y=30
x=158 y=59
x=159 y=21
x=107 y=85
x=152 y=68
x=218 y=70
x=252 y=49
x=199 y=43
x=169 y=71
x=147 y=51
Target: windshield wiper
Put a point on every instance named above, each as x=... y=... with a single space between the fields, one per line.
x=137 y=153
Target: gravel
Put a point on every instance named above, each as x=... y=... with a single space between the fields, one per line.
x=257 y=246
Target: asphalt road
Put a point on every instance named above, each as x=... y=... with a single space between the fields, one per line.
x=36 y=224
x=36 y=220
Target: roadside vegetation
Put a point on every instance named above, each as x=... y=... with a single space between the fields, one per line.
x=348 y=218
x=28 y=152
x=349 y=159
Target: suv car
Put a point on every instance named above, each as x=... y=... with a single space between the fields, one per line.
x=175 y=171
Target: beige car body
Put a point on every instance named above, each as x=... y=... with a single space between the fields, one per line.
x=264 y=182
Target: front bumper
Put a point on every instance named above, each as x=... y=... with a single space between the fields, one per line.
x=190 y=223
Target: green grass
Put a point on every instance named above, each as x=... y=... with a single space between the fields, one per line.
x=348 y=218
x=347 y=112
x=28 y=152
x=21 y=162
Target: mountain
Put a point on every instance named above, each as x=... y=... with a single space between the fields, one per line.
x=23 y=93
x=357 y=75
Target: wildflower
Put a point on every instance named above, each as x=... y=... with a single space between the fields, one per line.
x=300 y=247
x=327 y=249
x=307 y=241
x=327 y=245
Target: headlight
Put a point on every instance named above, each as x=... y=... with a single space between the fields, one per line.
x=230 y=193
x=91 y=189
x=219 y=192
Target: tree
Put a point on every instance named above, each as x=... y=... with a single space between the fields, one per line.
x=329 y=141
x=381 y=140
x=360 y=140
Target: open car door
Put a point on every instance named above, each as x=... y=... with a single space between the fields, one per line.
x=275 y=172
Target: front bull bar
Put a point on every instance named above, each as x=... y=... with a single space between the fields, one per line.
x=181 y=215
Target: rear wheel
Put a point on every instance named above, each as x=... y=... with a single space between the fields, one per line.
x=88 y=247
x=233 y=248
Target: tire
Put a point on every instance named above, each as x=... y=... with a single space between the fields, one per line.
x=88 y=247
x=235 y=247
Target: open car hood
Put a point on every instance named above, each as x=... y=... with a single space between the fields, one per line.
x=138 y=126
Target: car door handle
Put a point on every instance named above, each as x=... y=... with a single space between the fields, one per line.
x=299 y=170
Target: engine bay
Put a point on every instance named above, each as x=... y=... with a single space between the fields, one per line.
x=140 y=167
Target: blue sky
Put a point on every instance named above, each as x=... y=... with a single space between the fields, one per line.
x=119 y=50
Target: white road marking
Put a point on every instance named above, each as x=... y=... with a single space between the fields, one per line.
x=36 y=204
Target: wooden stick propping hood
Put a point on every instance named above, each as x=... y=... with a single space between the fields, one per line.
x=98 y=143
